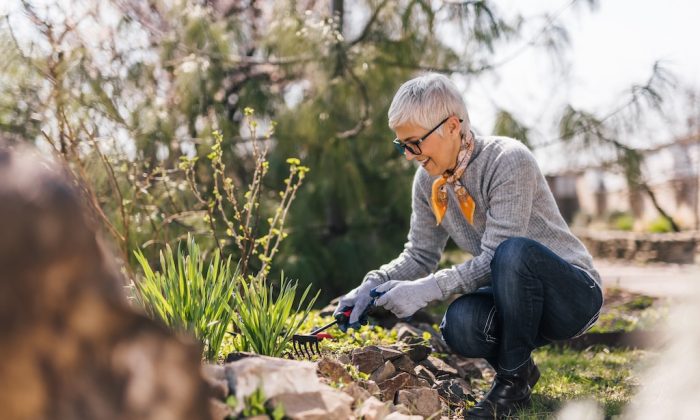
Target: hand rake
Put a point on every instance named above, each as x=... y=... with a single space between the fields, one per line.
x=307 y=344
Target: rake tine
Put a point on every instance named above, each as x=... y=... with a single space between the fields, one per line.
x=307 y=347
x=295 y=345
x=318 y=351
x=311 y=350
x=302 y=350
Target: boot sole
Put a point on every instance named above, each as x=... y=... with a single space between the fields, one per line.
x=517 y=406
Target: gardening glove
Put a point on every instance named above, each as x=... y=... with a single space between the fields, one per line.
x=405 y=297
x=359 y=301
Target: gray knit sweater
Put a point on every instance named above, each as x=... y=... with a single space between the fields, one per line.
x=512 y=199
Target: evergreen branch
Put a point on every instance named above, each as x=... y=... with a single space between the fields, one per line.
x=364 y=119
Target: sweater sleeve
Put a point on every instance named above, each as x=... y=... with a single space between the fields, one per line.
x=511 y=186
x=426 y=240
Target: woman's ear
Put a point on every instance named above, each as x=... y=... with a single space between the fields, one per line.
x=453 y=125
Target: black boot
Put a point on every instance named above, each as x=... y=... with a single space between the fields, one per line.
x=508 y=394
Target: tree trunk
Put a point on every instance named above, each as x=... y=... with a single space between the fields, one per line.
x=658 y=208
x=338 y=12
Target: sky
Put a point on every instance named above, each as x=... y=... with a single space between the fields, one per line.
x=611 y=48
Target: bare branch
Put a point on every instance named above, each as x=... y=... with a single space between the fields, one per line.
x=368 y=27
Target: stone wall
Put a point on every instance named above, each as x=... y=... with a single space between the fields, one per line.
x=680 y=248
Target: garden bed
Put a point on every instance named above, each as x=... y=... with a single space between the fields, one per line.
x=407 y=370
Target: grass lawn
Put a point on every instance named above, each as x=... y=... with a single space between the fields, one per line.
x=607 y=376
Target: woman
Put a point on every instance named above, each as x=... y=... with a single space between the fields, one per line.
x=530 y=280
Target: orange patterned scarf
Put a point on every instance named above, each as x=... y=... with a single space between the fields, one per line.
x=452 y=178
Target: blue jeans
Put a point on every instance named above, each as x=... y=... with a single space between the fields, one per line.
x=535 y=297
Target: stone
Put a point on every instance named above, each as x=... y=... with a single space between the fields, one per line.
x=420 y=382
x=425 y=373
x=383 y=373
x=218 y=388
x=454 y=361
x=421 y=401
x=219 y=410
x=215 y=378
x=357 y=392
x=400 y=416
x=672 y=247
x=480 y=368
x=436 y=341
x=372 y=409
x=213 y=371
x=333 y=370
x=326 y=403
x=439 y=367
x=418 y=352
x=344 y=359
x=238 y=355
x=367 y=359
x=371 y=387
x=389 y=353
x=71 y=346
x=400 y=408
x=455 y=391
x=408 y=334
x=404 y=364
x=273 y=375
x=392 y=385
x=466 y=368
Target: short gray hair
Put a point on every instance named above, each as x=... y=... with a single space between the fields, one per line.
x=427 y=100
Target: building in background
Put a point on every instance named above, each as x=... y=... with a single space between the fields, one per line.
x=672 y=171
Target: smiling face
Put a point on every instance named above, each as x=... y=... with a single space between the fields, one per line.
x=438 y=151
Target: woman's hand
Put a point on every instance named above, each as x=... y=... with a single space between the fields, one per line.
x=359 y=300
x=404 y=297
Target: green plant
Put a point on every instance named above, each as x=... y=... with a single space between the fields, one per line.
x=344 y=342
x=267 y=321
x=640 y=302
x=255 y=405
x=189 y=294
x=623 y=221
x=660 y=225
x=240 y=211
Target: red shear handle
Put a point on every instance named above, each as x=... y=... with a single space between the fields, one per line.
x=344 y=316
x=321 y=336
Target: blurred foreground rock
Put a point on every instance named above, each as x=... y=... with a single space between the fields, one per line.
x=70 y=346
x=669 y=387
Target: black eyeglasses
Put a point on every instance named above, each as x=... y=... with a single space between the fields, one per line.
x=413 y=146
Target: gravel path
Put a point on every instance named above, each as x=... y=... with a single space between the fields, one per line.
x=657 y=279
